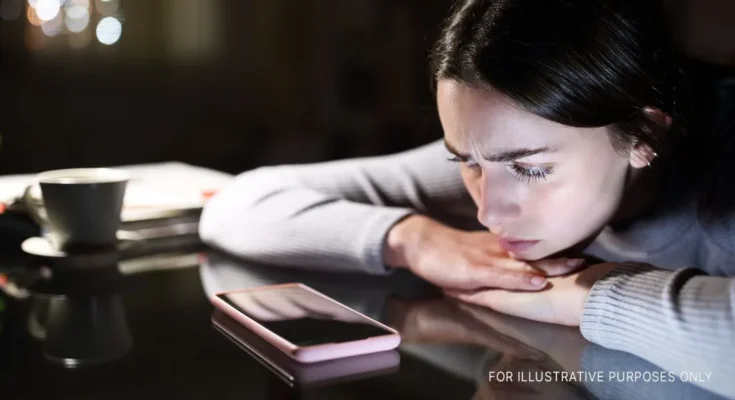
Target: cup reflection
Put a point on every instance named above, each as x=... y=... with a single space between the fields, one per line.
x=80 y=317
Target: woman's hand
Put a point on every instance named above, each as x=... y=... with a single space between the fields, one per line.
x=461 y=260
x=561 y=303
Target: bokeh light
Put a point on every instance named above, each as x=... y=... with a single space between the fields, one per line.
x=76 y=12
x=77 y=19
x=53 y=27
x=33 y=17
x=109 y=30
x=81 y=3
x=47 y=9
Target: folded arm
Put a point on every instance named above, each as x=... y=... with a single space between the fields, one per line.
x=333 y=215
x=682 y=321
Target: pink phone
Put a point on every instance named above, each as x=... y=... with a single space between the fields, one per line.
x=304 y=375
x=305 y=324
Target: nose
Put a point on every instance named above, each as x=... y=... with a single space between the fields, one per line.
x=497 y=205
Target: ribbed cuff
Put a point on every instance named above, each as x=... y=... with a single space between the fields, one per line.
x=375 y=235
x=619 y=302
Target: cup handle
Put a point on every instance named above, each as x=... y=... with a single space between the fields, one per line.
x=35 y=211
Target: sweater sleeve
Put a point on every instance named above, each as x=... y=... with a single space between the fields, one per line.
x=333 y=215
x=627 y=377
x=682 y=321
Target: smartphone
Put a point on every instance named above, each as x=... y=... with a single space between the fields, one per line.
x=305 y=375
x=305 y=324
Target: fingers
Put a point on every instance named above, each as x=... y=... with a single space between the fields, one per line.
x=510 y=274
x=505 y=278
x=514 y=265
x=556 y=267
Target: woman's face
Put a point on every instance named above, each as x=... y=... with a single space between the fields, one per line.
x=540 y=185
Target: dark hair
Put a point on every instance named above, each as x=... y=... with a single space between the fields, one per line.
x=584 y=63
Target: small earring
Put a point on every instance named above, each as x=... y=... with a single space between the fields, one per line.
x=652 y=158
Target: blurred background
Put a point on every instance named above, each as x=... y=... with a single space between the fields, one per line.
x=234 y=84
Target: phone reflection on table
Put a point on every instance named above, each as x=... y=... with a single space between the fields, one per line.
x=301 y=375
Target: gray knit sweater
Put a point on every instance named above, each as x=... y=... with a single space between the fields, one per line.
x=334 y=215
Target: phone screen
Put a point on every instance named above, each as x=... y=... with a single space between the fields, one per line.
x=302 y=317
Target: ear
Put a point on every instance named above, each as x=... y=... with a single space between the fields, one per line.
x=641 y=155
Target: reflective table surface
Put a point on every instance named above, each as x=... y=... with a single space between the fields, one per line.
x=144 y=328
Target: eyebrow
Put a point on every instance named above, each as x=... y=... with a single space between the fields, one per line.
x=506 y=156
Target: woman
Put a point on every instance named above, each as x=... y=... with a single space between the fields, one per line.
x=565 y=119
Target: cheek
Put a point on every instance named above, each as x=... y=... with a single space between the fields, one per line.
x=580 y=201
x=584 y=200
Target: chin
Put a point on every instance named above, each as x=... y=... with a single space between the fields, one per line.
x=541 y=253
x=532 y=255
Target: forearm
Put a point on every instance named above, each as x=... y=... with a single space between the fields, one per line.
x=298 y=227
x=683 y=321
x=333 y=215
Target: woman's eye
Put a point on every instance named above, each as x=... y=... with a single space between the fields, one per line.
x=468 y=162
x=530 y=173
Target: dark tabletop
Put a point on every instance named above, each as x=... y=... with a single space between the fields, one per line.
x=142 y=328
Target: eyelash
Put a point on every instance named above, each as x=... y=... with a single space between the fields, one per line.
x=531 y=174
x=465 y=161
x=522 y=174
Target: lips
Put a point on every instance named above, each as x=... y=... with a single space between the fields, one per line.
x=517 y=245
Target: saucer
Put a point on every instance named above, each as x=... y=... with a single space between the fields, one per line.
x=42 y=247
